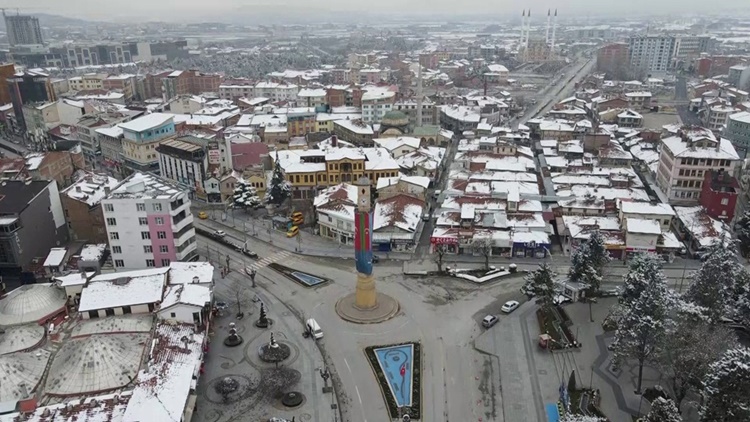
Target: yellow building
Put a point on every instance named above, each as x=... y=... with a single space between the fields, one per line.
x=309 y=170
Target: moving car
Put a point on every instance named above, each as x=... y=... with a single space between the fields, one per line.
x=202 y=215
x=298 y=218
x=294 y=231
x=489 y=321
x=219 y=233
x=510 y=306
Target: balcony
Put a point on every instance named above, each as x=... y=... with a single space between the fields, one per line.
x=183 y=235
x=180 y=220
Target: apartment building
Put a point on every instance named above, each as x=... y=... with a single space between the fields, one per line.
x=32 y=222
x=738 y=132
x=82 y=204
x=140 y=139
x=276 y=91
x=685 y=159
x=376 y=103
x=715 y=117
x=311 y=97
x=148 y=223
x=739 y=76
x=185 y=163
x=651 y=53
x=23 y=30
x=612 y=57
x=87 y=82
x=430 y=115
x=29 y=87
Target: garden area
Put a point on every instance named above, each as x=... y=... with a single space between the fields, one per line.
x=398 y=370
x=554 y=321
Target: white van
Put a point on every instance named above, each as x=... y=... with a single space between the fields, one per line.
x=314 y=329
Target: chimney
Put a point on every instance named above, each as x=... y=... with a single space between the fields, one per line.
x=334 y=141
x=718 y=145
x=107 y=190
x=78 y=189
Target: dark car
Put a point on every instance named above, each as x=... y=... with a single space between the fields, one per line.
x=375 y=259
x=250 y=254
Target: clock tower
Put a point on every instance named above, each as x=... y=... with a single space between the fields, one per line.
x=363 y=192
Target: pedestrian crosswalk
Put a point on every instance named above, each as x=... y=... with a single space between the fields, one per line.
x=276 y=257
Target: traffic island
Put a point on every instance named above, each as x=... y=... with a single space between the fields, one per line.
x=398 y=368
x=385 y=308
x=299 y=277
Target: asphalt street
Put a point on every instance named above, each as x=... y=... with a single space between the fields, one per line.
x=681 y=96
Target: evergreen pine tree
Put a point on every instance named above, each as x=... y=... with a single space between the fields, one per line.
x=279 y=189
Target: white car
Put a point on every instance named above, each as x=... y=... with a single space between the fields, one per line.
x=510 y=306
x=489 y=321
x=219 y=233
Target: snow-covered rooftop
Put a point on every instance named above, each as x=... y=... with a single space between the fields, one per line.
x=91 y=188
x=356 y=126
x=703 y=228
x=162 y=389
x=641 y=226
x=186 y=294
x=31 y=303
x=124 y=289
x=55 y=257
x=401 y=211
x=682 y=149
x=645 y=208
x=145 y=185
x=147 y=122
x=191 y=272
x=93 y=252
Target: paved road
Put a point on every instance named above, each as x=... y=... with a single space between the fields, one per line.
x=459 y=383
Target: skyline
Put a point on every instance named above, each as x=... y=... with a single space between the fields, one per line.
x=234 y=11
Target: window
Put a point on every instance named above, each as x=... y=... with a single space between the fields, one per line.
x=148 y=249
x=164 y=262
x=724 y=201
x=145 y=235
x=161 y=235
x=109 y=208
x=109 y=312
x=143 y=221
x=140 y=207
x=157 y=207
x=116 y=249
x=164 y=248
x=119 y=263
x=160 y=221
x=150 y=263
x=172 y=314
x=114 y=236
x=111 y=221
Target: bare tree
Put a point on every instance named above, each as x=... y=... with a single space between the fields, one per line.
x=238 y=292
x=440 y=251
x=483 y=245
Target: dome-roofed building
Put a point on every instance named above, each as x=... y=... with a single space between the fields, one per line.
x=21 y=374
x=32 y=303
x=96 y=363
x=20 y=337
x=394 y=123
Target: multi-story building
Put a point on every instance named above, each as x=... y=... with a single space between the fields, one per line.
x=739 y=76
x=276 y=91
x=719 y=194
x=149 y=223
x=110 y=143
x=715 y=117
x=235 y=90
x=140 y=138
x=429 y=111
x=23 y=30
x=7 y=70
x=87 y=82
x=32 y=223
x=307 y=170
x=81 y=202
x=311 y=97
x=59 y=166
x=612 y=57
x=685 y=159
x=183 y=162
x=124 y=83
x=651 y=53
x=355 y=131
x=375 y=103
x=738 y=132
x=688 y=48
x=27 y=88
x=300 y=122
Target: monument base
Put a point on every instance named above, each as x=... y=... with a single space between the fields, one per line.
x=385 y=308
x=366 y=297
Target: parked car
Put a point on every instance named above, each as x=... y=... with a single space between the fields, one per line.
x=510 y=306
x=219 y=233
x=202 y=215
x=489 y=321
x=250 y=254
x=221 y=305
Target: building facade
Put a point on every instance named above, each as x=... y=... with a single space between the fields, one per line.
x=83 y=211
x=23 y=30
x=148 y=223
x=738 y=132
x=32 y=223
x=685 y=159
x=651 y=53
x=185 y=163
x=719 y=195
x=612 y=57
x=140 y=139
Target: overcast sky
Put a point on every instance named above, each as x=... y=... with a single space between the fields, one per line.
x=196 y=10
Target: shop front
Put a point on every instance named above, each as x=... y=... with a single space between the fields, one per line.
x=449 y=243
x=530 y=249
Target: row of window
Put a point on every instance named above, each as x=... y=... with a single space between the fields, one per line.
x=705 y=162
x=149 y=263
x=140 y=207
x=146 y=249
x=144 y=235
x=689 y=184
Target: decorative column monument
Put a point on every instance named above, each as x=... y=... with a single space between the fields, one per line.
x=366 y=305
x=366 y=296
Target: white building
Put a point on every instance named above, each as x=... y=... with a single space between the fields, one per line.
x=123 y=293
x=140 y=138
x=651 y=53
x=715 y=117
x=375 y=103
x=183 y=162
x=335 y=207
x=187 y=303
x=275 y=91
x=685 y=159
x=149 y=223
x=662 y=213
x=311 y=97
